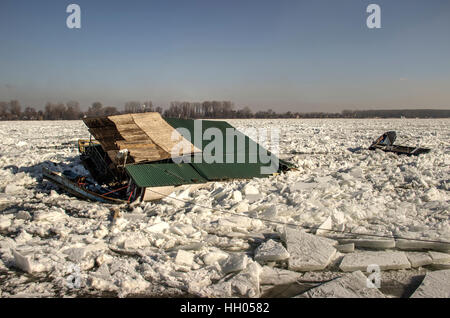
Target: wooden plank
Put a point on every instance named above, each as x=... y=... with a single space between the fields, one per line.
x=160 y=131
x=135 y=145
x=122 y=119
x=139 y=144
x=147 y=136
x=151 y=155
x=98 y=122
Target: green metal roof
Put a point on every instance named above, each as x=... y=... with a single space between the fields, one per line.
x=206 y=124
x=250 y=148
x=166 y=174
x=163 y=174
x=224 y=171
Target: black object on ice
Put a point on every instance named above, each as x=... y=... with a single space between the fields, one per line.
x=386 y=143
x=387 y=139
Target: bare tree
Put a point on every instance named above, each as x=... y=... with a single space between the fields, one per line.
x=29 y=114
x=15 y=109
x=133 y=107
x=96 y=109
x=110 y=110
x=148 y=106
x=227 y=107
x=3 y=110
x=73 y=110
x=60 y=111
x=207 y=109
x=48 y=113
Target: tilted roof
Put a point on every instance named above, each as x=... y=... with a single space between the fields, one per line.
x=150 y=139
x=157 y=174
x=146 y=136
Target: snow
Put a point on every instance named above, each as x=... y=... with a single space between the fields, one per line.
x=237 y=196
x=346 y=248
x=213 y=257
x=250 y=190
x=435 y=285
x=372 y=243
x=234 y=263
x=271 y=251
x=184 y=258
x=439 y=258
x=338 y=186
x=325 y=227
x=353 y=285
x=307 y=252
x=23 y=262
x=276 y=276
x=418 y=259
x=385 y=260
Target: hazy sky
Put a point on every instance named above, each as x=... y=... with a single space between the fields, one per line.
x=285 y=55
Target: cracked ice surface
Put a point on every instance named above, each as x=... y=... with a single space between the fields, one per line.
x=52 y=244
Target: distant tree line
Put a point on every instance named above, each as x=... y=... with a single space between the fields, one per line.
x=207 y=109
x=397 y=113
x=71 y=110
x=225 y=109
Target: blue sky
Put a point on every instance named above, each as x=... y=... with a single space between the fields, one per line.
x=285 y=55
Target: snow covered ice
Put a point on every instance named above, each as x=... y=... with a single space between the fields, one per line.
x=53 y=244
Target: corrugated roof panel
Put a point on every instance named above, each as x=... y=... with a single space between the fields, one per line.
x=163 y=174
x=224 y=171
x=248 y=168
x=250 y=147
x=189 y=125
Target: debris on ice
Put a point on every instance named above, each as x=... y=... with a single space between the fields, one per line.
x=355 y=189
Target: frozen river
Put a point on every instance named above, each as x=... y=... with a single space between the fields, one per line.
x=73 y=247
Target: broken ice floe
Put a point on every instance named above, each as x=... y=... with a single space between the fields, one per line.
x=384 y=260
x=435 y=285
x=352 y=285
x=308 y=252
x=271 y=251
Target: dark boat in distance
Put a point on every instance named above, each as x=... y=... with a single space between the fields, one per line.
x=386 y=143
